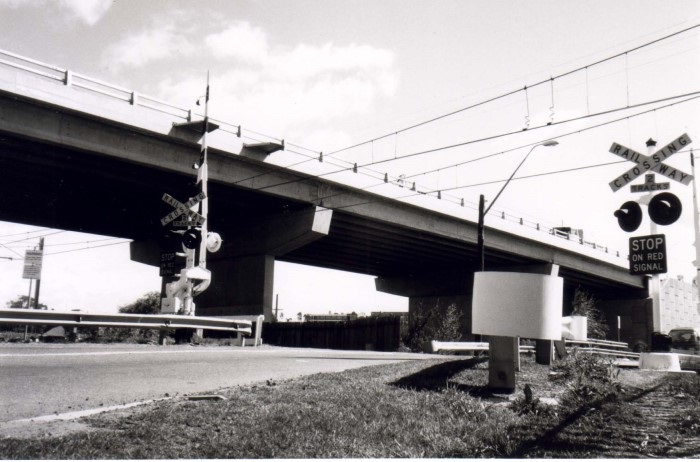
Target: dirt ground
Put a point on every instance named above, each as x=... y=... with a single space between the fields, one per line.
x=646 y=424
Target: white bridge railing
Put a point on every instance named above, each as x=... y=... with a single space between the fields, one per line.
x=89 y=84
x=143 y=321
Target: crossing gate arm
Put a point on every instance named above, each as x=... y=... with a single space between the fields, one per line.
x=143 y=321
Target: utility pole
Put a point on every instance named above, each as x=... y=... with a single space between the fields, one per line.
x=480 y=233
x=38 y=281
x=29 y=301
x=654 y=285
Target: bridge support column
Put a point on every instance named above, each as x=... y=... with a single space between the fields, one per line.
x=432 y=295
x=242 y=271
x=636 y=320
x=244 y=287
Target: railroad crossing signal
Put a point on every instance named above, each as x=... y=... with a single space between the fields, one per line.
x=629 y=216
x=653 y=162
x=191 y=218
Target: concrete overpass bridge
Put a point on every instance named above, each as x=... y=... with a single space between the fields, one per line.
x=82 y=155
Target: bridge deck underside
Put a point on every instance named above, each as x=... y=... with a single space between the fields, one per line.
x=388 y=250
x=57 y=187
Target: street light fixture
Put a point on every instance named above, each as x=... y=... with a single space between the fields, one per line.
x=482 y=212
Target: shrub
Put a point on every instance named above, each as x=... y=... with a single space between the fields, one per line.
x=149 y=303
x=584 y=305
x=433 y=324
x=130 y=335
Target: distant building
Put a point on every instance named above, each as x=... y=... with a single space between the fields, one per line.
x=678 y=304
x=381 y=314
x=330 y=317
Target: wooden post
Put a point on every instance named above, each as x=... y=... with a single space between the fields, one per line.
x=544 y=352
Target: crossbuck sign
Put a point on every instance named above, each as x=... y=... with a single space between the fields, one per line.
x=192 y=218
x=653 y=162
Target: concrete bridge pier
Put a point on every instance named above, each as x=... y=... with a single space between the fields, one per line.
x=244 y=287
x=243 y=269
x=434 y=292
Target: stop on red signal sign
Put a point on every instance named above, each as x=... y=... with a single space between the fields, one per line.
x=648 y=254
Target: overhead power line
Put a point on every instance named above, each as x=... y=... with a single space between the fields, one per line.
x=26 y=232
x=35 y=237
x=87 y=248
x=461 y=200
x=693 y=95
x=357 y=168
x=513 y=92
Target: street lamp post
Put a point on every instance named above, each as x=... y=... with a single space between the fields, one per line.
x=482 y=212
x=504 y=352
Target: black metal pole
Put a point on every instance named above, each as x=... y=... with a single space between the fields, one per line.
x=480 y=233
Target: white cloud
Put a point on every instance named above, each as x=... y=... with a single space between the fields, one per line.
x=307 y=61
x=156 y=43
x=14 y=3
x=88 y=11
x=240 y=41
x=285 y=89
x=276 y=89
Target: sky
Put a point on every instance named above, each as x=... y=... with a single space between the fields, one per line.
x=327 y=75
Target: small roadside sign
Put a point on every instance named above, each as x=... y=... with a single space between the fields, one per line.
x=167 y=264
x=32 y=264
x=648 y=254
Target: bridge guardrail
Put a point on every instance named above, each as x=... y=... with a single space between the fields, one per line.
x=143 y=321
x=437 y=346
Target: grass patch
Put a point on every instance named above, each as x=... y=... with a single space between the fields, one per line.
x=429 y=409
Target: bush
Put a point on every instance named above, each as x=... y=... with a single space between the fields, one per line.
x=584 y=305
x=430 y=324
x=149 y=303
x=130 y=335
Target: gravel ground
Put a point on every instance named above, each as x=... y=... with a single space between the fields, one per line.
x=644 y=425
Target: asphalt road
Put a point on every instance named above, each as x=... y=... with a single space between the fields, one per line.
x=43 y=379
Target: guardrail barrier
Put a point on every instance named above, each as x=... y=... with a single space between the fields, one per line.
x=143 y=321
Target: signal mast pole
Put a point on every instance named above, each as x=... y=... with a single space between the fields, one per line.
x=696 y=222
x=197 y=240
x=202 y=179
